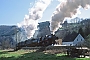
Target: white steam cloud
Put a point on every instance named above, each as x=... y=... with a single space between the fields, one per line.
x=35 y=13
x=66 y=8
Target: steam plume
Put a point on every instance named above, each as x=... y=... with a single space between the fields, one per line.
x=35 y=13
x=67 y=8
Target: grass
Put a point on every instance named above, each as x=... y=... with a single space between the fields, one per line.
x=27 y=55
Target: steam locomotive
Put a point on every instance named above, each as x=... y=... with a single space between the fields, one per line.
x=40 y=42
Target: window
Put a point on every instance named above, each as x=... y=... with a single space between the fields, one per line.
x=76 y=44
x=70 y=44
x=81 y=39
x=77 y=39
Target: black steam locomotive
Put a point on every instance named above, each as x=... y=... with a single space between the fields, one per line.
x=40 y=42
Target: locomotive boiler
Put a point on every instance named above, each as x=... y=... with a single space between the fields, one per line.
x=39 y=42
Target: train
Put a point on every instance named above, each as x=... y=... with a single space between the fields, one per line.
x=39 y=42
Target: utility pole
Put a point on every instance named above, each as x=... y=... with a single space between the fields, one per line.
x=16 y=38
x=16 y=31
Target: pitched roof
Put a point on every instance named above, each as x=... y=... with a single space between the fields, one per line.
x=70 y=37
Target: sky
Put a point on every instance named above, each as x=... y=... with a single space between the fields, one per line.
x=14 y=11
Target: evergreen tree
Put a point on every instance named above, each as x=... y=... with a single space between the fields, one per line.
x=80 y=31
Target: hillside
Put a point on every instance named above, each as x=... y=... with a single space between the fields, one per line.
x=71 y=27
x=43 y=29
x=4 y=30
x=9 y=34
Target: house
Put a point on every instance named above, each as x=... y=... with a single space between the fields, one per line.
x=74 y=39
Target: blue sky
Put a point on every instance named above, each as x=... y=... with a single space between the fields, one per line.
x=14 y=11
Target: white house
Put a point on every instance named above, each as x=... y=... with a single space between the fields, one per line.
x=73 y=40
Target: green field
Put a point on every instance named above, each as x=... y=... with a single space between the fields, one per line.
x=27 y=55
